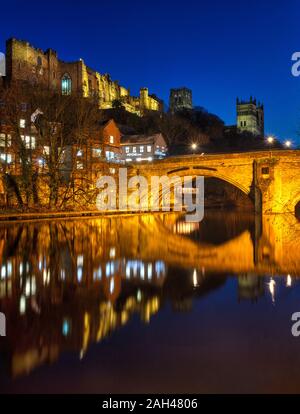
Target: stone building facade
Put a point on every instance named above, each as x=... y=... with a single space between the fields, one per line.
x=27 y=63
x=250 y=116
x=180 y=99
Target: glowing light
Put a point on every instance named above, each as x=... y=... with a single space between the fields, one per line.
x=194 y=146
x=3 y=272
x=139 y=295
x=288 y=281
x=66 y=327
x=27 y=288
x=270 y=140
x=112 y=286
x=79 y=274
x=149 y=271
x=142 y=271
x=288 y=143
x=22 y=307
x=195 y=278
x=272 y=285
x=80 y=260
x=112 y=252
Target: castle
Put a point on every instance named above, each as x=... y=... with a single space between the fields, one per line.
x=27 y=63
x=250 y=116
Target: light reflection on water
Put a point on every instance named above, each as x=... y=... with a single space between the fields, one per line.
x=68 y=285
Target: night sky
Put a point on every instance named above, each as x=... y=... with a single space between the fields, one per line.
x=219 y=49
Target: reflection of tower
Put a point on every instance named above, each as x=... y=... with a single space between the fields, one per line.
x=250 y=287
x=2 y=64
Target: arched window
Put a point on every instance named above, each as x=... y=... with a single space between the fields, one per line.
x=66 y=85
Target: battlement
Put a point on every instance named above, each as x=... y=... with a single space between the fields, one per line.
x=251 y=101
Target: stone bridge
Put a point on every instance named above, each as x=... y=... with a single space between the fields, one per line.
x=270 y=178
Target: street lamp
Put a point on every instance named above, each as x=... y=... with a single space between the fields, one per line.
x=270 y=140
x=288 y=143
x=194 y=146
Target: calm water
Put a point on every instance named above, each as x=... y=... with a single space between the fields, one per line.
x=150 y=304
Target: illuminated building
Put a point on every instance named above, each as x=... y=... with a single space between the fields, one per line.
x=27 y=63
x=250 y=116
x=142 y=147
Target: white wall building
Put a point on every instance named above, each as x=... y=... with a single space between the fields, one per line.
x=137 y=148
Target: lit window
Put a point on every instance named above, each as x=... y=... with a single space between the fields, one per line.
x=6 y=157
x=109 y=155
x=133 y=149
x=96 y=152
x=112 y=170
x=8 y=140
x=47 y=150
x=79 y=165
x=66 y=85
x=148 y=148
x=127 y=150
x=22 y=123
x=27 y=141
x=32 y=142
x=79 y=153
x=2 y=140
x=142 y=148
x=111 y=139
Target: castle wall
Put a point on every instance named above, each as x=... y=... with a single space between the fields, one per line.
x=26 y=63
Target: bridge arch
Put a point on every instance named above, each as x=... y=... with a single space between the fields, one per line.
x=194 y=172
x=208 y=172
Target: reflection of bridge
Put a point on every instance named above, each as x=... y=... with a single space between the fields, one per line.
x=270 y=178
x=97 y=273
x=274 y=251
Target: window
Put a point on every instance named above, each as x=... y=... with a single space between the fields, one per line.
x=109 y=155
x=39 y=61
x=142 y=148
x=2 y=140
x=111 y=139
x=28 y=141
x=265 y=171
x=133 y=149
x=66 y=85
x=97 y=152
x=46 y=150
x=127 y=150
x=79 y=165
x=6 y=157
x=32 y=143
x=148 y=148
x=22 y=123
x=79 y=153
x=24 y=107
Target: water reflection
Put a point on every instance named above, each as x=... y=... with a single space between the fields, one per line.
x=67 y=284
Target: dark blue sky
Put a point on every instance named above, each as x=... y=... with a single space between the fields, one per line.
x=220 y=49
